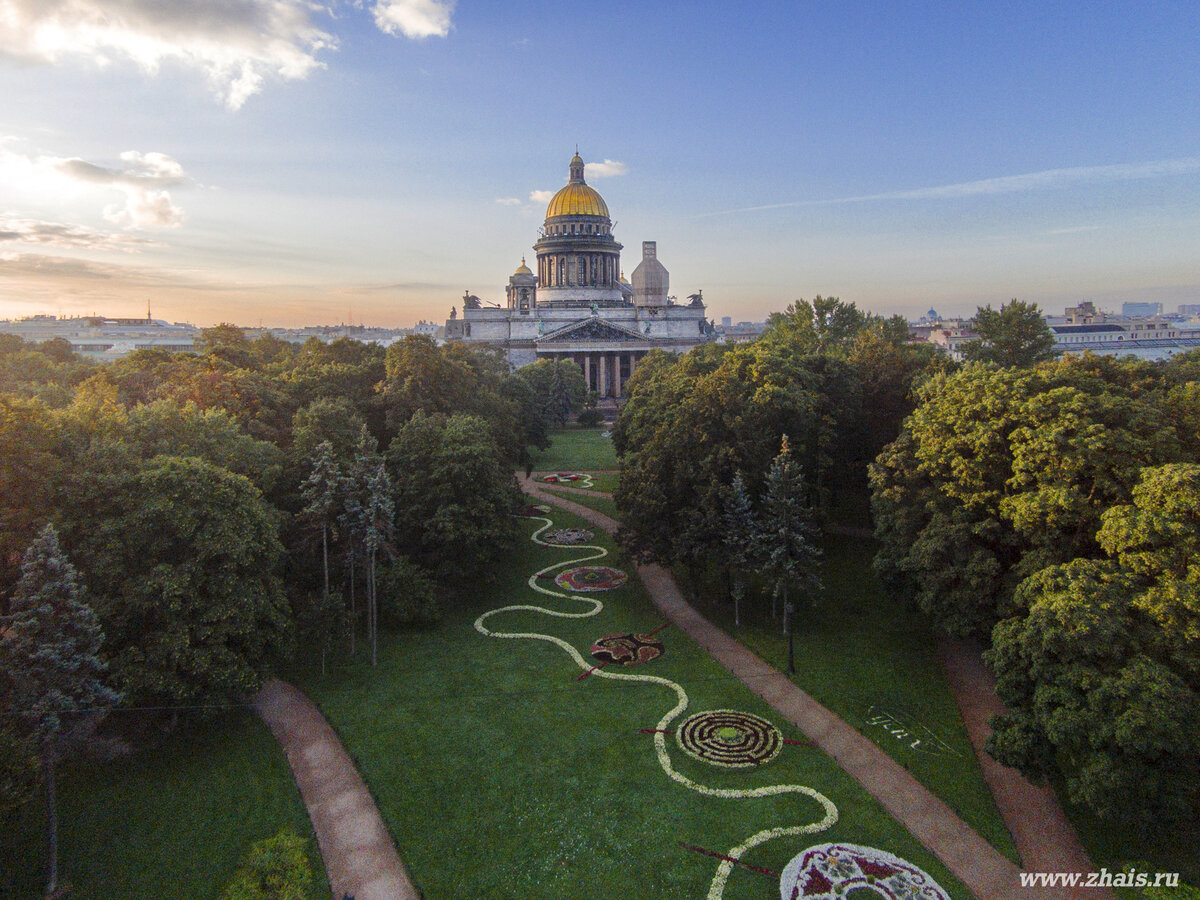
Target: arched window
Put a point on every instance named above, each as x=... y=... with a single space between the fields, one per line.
x=562 y=270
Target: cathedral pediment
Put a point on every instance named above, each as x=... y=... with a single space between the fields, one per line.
x=591 y=329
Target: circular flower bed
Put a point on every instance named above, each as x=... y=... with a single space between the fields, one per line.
x=532 y=512
x=560 y=478
x=830 y=871
x=726 y=737
x=568 y=536
x=628 y=649
x=591 y=578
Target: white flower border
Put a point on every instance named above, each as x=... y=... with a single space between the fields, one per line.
x=717 y=888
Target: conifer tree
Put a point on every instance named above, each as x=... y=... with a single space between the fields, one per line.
x=50 y=650
x=787 y=531
x=741 y=539
x=321 y=490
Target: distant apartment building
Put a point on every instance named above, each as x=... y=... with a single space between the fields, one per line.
x=741 y=333
x=103 y=338
x=1189 y=309
x=1134 y=310
x=1084 y=328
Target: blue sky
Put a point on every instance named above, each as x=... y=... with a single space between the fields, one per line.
x=294 y=163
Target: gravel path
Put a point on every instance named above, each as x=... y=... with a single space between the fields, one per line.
x=988 y=874
x=359 y=856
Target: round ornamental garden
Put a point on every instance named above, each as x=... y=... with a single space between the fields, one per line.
x=729 y=738
x=591 y=578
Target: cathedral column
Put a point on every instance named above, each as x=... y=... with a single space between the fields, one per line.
x=617 y=375
x=603 y=375
x=587 y=369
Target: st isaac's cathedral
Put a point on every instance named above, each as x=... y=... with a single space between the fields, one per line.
x=578 y=305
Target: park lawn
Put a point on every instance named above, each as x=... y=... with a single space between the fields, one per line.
x=604 y=505
x=573 y=448
x=500 y=774
x=172 y=821
x=864 y=657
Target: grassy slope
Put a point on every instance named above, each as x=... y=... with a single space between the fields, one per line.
x=577 y=448
x=600 y=504
x=500 y=774
x=860 y=655
x=174 y=821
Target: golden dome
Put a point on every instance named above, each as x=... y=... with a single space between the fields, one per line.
x=577 y=199
x=523 y=269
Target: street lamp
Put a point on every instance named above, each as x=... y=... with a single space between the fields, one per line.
x=788 y=609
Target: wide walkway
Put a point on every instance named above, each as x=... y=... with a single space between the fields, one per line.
x=988 y=874
x=359 y=856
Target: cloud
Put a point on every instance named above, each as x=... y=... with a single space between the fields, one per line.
x=237 y=44
x=142 y=180
x=509 y=201
x=1050 y=179
x=605 y=169
x=414 y=18
x=56 y=234
x=541 y=196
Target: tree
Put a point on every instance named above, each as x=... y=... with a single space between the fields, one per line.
x=181 y=556
x=28 y=470
x=1101 y=675
x=1014 y=335
x=740 y=533
x=50 y=651
x=787 y=531
x=454 y=495
x=322 y=493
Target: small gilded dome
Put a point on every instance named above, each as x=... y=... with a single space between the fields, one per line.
x=523 y=269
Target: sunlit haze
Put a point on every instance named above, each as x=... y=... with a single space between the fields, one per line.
x=290 y=162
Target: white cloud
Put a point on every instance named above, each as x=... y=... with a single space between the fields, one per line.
x=235 y=43
x=509 y=201
x=414 y=18
x=541 y=196
x=141 y=181
x=56 y=234
x=1049 y=179
x=605 y=169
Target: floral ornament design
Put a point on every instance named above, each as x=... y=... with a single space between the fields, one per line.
x=729 y=738
x=566 y=537
x=628 y=649
x=830 y=871
x=535 y=511
x=591 y=578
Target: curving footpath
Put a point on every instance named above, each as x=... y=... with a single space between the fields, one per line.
x=988 y=874
x=359 y=856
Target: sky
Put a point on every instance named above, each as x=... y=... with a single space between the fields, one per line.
x=302 y=162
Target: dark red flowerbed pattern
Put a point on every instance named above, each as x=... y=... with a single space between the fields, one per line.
x=628 y=649
x=591 y=578
x=830 y=871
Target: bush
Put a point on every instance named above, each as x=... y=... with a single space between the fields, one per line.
x=406 y=593
x=275 y=869
x=590 y=418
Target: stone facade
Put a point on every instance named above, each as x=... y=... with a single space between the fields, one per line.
x=578 y=305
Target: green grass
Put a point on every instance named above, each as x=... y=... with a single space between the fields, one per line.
x=174 y=821
x=862 y=655
x=500 y=774
x=575 y=448
x=600 y=504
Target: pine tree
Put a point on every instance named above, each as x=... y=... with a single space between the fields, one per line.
x=321 y=490
x=369 y=520
x=788 y=532
x=741 y=539
x=50 y=648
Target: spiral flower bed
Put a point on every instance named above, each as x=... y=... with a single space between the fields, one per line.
x=729 y=738
x=567 y=537
x=591 y=578
x=628 y=649
x=830 y=871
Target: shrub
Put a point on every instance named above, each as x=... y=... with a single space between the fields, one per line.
x=276 y=868
x=590 y=418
